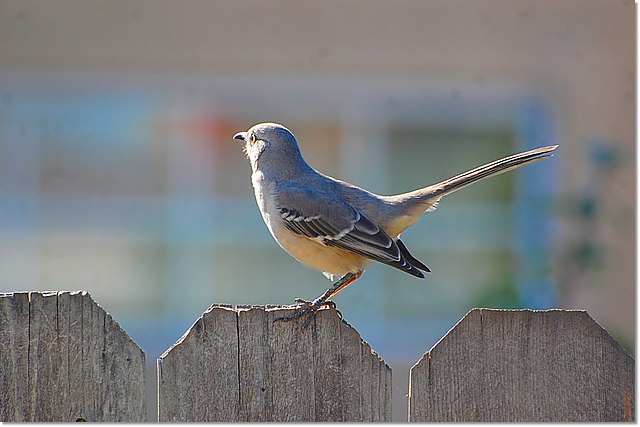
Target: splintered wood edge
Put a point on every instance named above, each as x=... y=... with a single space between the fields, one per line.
x=266 y=308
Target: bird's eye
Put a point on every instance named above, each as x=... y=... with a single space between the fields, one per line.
x=253 y=138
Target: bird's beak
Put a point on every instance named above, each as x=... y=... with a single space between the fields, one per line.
x=240 y=136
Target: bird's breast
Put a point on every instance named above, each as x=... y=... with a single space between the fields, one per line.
x=263 y=189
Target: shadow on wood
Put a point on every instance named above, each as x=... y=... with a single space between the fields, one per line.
x=240 y=365
x=62 y=358
x=524 y=365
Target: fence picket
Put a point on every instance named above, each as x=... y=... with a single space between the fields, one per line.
x=524 y=365
x=273 y=371
x=62 y=358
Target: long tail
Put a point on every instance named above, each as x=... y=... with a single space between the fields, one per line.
x=497 y=167
x=410 y=206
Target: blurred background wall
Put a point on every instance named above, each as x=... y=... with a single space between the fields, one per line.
x=118 y=174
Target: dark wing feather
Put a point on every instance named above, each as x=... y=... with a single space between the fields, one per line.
x=411 y=258
x=369 y=240
x=349 y=230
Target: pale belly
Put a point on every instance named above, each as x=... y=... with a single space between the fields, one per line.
x=320 y=257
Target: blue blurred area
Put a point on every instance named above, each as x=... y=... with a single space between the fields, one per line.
x=143 y=199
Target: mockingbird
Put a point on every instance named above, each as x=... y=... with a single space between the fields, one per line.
x=337 y=227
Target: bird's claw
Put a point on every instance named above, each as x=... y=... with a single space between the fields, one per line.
x=308 y=306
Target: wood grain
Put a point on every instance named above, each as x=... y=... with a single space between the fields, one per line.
x=63 y=358
x=256 y=369
x=524 y=365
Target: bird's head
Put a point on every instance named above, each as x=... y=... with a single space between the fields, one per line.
x=269 y=145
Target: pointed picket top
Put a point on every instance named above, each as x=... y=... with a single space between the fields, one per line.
x=524 y=365
x=237 y=364
x=64 y=359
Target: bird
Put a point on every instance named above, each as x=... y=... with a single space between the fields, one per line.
x=336 y=227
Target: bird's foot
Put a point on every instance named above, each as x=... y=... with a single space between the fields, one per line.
x=300 y=301
x=310 y=307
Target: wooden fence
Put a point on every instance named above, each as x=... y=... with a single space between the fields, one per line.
x=524 y=365
x=240 y=365
x=62 y=358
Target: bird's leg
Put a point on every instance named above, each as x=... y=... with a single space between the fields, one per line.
x=315 y=305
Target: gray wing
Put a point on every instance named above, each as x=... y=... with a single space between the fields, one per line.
x=328 y=219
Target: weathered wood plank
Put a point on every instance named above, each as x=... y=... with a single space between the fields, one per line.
x=289 y=370
x=45 y=350
x=62 y=365
x=351 y=356
x=198 y=376
x=77 y=377
x=254 y=393
x=14 y=344
x=327 y=360
x=122 y=361
x=280 y=371
x=524 y=365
